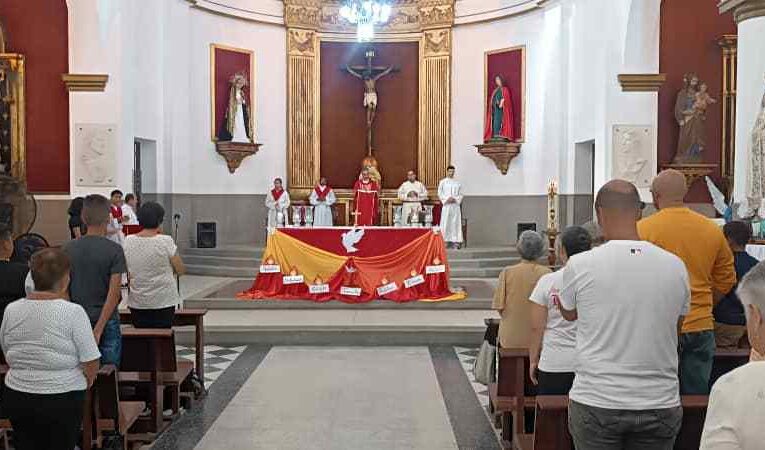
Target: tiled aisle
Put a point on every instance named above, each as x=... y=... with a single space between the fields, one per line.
x=217 y=359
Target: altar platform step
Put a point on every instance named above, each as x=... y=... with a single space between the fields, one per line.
x=223 y=297
x=243 y=261
x=337 y=327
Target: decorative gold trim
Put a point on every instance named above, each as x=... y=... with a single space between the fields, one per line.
x=251 y=54
x=692 y=172
x=743 y=9
x=641 y=82
x=85 y=82
x=16 y=66
x=522 y=137
x=729 y=47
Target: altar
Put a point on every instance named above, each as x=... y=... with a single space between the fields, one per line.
x=354 y=265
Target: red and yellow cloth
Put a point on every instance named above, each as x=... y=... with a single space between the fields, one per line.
x=383 y=256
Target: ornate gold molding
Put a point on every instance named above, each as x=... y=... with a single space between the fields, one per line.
x=85 y=82
x=641 y=82
x=437 y=42
x=743 y=9
x=301 y=42
x=729 y=47
x=302 y=13
x=436 y=14
x=12 y=67
x=692 y=172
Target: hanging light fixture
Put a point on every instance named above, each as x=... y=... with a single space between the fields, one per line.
x=365 y=14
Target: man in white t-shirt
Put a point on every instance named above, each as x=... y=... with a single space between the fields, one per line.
x=736 y=407
x=552 y=345
x=629 y=298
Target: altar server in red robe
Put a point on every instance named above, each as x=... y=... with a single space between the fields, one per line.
x=365 y=196
x=277 y=201
x=116 y=218
x=322 y=198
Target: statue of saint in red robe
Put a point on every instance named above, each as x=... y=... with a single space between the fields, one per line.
x=499 y=114
x=365 y=196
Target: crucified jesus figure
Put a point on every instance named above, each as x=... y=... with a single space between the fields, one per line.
x=369 y=74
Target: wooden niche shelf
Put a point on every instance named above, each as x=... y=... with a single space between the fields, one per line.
x=235 y=152
x=500 y=152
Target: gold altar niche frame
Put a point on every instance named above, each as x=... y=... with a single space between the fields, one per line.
x=12 y=72
x=309 y=22
x=251 y=86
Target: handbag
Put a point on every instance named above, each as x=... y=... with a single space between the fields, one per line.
x=483 y=367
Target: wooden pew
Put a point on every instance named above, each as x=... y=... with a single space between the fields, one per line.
x=185 y=317
x=507 y=397
x=108 y=413
x=727 y=360
x=149 y=361
x=551 y=424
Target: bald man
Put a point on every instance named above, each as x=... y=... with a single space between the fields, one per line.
x=701 y=245
x=628 y=297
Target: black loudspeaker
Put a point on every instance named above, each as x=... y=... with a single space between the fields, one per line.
x=207 y=234
x=525 y=227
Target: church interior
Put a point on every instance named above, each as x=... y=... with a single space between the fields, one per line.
x=346 y=190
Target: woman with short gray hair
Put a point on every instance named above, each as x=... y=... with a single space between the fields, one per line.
x=511 y=299
x=736 y=410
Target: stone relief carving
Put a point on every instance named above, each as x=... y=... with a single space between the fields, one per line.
x=95 y=149
x=436 y=16
x=437 y=42
x=633 y=154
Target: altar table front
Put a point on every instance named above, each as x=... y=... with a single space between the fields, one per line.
x=353 y=265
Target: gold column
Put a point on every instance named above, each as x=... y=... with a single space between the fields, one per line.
x=434 y=153
x=303 y=142
x=729 y=45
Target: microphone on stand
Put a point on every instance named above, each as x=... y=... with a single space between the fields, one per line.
x=176 y=220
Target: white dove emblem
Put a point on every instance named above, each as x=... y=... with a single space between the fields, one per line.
x=351 y=238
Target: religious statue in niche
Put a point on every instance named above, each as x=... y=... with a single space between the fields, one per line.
x=231 y=76
x=691 y=106
x=504 y=99
x=499 y=114
x=237 y=119
x=755 y=183
x=370 y=74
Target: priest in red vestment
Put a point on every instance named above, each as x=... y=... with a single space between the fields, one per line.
x=365 y=197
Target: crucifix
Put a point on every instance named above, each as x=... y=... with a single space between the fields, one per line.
x=370 y=74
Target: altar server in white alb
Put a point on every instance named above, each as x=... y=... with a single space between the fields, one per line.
x=412 y=192
x=322 y=198
x=277 y=201
x=450 y=194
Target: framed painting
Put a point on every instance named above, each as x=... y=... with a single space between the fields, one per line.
x=505 y=95
x=232 y=93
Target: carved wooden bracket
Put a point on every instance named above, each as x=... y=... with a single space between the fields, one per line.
x=235 y=152
x=692 y=172
x=641 y=82
x=85 y=82
x=500 y=152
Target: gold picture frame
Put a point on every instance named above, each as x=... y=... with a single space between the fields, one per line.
x=522 y=48
x=13 y=65
x=251 y=55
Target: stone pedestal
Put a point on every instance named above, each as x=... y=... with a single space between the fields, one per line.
x=235 y=152
x=500 y=152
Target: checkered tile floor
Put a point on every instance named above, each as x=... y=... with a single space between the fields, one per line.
x=467 y=357
x=217 y=359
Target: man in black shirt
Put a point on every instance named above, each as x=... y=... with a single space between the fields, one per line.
x=12 y=274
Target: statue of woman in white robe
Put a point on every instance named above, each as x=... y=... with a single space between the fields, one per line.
x=322 y=198
x=755 y=182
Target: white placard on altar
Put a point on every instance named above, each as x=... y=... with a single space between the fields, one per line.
x=352 y=291
x=430 y=270
x=318 y=289
x=414 y=281
x=387 y=288
x=270 y=268
x=292 y=279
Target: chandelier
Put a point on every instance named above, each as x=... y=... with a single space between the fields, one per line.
x=365 y=14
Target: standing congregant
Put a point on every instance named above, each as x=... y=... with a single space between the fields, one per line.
x=450 y=194
x=322 y=198
x=412 y=192
x=701 y=245
x=277 y=201
x=628 y=297
x=365 y=196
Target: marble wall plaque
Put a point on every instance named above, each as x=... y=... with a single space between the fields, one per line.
x=633 y=155
x=95 y=153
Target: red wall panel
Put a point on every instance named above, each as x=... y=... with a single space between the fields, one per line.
x=343 y=117
x=689 y=33
x=38 y=29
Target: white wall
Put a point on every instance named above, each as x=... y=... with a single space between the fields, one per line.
x=157 y=57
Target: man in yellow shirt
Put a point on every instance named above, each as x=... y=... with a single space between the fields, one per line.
x=701 y=245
